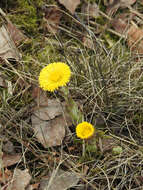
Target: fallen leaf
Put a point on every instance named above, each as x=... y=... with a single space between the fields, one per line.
x=9 y=160
x=127 y=3
x=135 y=39
x=49 y=109
x=106 y=144
x=52 y=19
x=8 y=147
x=48 y=119
x=5 y=176
x=7 y=46
x=2 y=82
x=49 y=133
x=138 y=180
x=70 y=5
x=121 y=23
x=88 y=42
x=20 y=180
x=90 y=10
x=16 y=35
x=33 y=187
x=60 y=180
x=112 y=8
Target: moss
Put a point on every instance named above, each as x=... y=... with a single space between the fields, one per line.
x=26 y=16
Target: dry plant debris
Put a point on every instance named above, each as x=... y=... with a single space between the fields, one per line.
x=135 y=39
x=16 y=35
x=59 y=179
x=7 y=46
x=49 y=133
x=88 y=42
x=20 y=180
x=39 y=134
x=48 y=120
x=9 y=160
x=52 y=19
x=70 y=5
x=117 y=4
x=90 y=10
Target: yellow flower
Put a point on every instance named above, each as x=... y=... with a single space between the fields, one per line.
x=54 y=76
x=84 y=130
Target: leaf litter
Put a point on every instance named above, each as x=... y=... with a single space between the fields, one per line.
x=48 y=118
x=52 y=19
x=49 y=121
x=20 y=180
x=59 y=179
x=70 y=5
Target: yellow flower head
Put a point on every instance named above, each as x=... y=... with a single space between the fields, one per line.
x=54 y=76
x=84 y=130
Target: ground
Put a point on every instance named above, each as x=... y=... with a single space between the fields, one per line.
x=104 y=53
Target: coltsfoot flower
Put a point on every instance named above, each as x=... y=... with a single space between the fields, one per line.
x=84 y=130
x=54 y=75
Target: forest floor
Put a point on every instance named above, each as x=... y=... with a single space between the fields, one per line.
x=102 y=43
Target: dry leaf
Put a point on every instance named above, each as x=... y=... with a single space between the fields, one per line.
x=121 y=23
x=126 y=3
x=8 y=147
x=48 y=121
x=20 y=180
x=106 y=144
x=112 y=8
x=59 y=180
x=88 y=42
x=16 y=35
x=49 y=133
x=52 y=18
x=135 y=39
x=2 y=82
x=70 y=5
x=7 y=46
x=9 y=160
x=5 y=176
x=33 y=187
x=91 y=10
x=50 y=111
x=46 y=108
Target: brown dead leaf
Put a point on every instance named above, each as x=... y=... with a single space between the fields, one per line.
x=49 y=133
x=127 y=3
x=48 y=121
x=70 y=5
x=7 y=46
x=16 y=35
x=52 y=19
x=5 y=176
x=33 y=187
x=135 y=39
x=9 y=160
x=8 y=147
x=20 y=180
x=59 y=180
x=49 y=110
x=2 y=82
x=112 y=8
x=88 y=42
x=90 y=10
x=121 y=23
x=106 y=144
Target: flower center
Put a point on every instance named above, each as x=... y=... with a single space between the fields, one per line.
x=86 y=131
x=55 y=76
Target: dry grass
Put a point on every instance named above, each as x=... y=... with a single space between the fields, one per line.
x=109 y=82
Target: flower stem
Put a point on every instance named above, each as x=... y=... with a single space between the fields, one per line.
x=72 y=107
